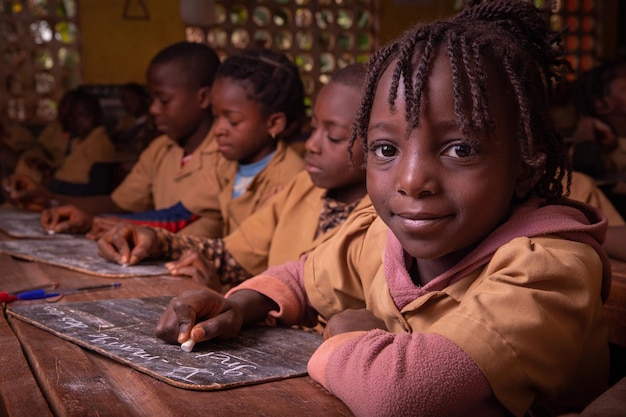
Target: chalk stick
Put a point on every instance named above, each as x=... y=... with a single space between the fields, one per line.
x=51 y=232
x=188 y=345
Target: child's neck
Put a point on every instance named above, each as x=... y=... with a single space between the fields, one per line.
x=423 y=271
x=348 y=194
x=261 y=154
x=191 y=142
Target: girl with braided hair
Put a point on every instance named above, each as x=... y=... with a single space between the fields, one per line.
x=474 y=288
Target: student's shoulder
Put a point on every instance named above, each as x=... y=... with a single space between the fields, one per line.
x=160 y=145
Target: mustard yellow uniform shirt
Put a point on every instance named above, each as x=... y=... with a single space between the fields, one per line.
x=284 y=228
x=96 y=147
x=159 y=180
x=211 y=197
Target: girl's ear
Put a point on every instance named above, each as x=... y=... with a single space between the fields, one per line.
x=276 y=124
x=204 y=97
x=526 y=179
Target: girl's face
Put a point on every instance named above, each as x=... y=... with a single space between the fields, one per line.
x=243 y=133
x=440 y=192
x=178 y=109
x=327 y=158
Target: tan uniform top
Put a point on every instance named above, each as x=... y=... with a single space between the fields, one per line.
x=17 y=137
x=284 y=228
x=584 y=189
x=96 y=147
x=532 y=319
x=216 y=188
x=159 y=180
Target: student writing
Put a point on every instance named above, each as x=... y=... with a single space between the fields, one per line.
x=298 y=218
x=179 y=78
x=257 y=103
x=474 y=288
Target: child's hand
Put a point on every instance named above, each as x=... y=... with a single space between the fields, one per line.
x=200 y=315
x=65 y=219
x=351 y=321
x=194 y=264
x=23 y=191
x=100 y=226
x=127 y=244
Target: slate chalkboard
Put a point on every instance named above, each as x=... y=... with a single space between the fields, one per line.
x=25 y=224
x=123 y=330
x=80 y=254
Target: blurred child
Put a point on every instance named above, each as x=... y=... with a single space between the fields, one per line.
x=257 y=100
x=478 y=288
x=600 y=96
x=297 y=219
x=78 y=174
x=14 y=139
x=52 y=145
x=179 y=78
x=136 y=129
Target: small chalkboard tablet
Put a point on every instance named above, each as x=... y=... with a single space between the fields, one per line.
x=123 y=330
x=79 y=255
x=25 y=224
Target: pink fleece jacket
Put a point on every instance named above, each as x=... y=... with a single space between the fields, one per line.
x=378 y=373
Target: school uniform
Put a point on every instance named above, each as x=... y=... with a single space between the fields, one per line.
x=584 y=189
x=283 y=229
x=84 y=153
x=159 y=179
x=51 y=147
x=211 y=197
x=520 y=317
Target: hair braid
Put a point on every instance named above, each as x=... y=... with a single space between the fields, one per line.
x=510 y=39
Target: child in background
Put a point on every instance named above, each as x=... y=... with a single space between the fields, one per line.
x=600 y=97
x=478 y=289
x=79 y=173
x=52 y=145
x=135 y=129
x=258 y=103
x=179 y=78
x=297 y=219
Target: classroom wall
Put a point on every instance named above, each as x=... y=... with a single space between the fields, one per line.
x=115 y=49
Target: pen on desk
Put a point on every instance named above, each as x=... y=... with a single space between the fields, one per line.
x=7 y=297
x=41 y=293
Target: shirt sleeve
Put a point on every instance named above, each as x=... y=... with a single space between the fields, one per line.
x=378 y=373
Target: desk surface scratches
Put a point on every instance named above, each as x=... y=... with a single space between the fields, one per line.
x=123 y=330
x=79 y=255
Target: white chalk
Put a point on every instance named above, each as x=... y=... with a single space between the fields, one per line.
x=188 y=345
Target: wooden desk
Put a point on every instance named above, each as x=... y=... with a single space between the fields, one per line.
x=49 y=376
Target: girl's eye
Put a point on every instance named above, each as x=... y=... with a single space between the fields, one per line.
x=460 y=151
x=335 y=140
x=384 y=151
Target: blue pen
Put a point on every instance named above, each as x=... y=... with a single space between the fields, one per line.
x=41 y=293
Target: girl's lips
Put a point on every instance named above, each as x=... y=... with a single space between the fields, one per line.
x=312 y=169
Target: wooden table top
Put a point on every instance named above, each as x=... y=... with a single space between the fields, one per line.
x=45 y=375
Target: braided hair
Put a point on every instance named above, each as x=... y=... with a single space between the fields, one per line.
x=271 y=79
x=505 y=37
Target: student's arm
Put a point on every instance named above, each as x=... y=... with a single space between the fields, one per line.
x=386 y=374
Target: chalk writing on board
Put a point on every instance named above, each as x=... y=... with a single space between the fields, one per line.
x=123 y=330
x=79 y=254
x=25 y=224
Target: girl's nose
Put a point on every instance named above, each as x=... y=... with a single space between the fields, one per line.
x=312 y=144
x=415 y=177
